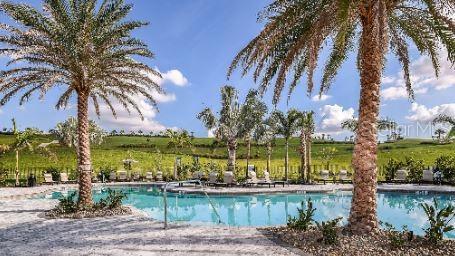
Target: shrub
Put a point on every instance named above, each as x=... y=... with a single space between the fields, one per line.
x=305 y=217
x=439 y=221
x=329 y=231
x=67 y=204
x=398 y=238
x=112 y=201
x=415 y=169
x=106 y=171
x=391 y=168
x=446 y=165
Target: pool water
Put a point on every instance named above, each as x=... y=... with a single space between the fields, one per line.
x=273 y=209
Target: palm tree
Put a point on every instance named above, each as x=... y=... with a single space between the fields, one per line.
x=382 y=124
x=252 y=113
x=294 y=34
x=306 y=124
x=178 y=139
x=286 y=125
x=445 y=119
x=22 y=140
x=439 y=133
x=67 y=133
x=265 y=133
x=84 y=48
x=234 y=121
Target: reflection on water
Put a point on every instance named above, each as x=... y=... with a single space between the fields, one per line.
x=267 y=210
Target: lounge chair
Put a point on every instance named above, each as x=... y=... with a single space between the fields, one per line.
x=213 y=179
x=159 y=176
x=252 y=178
x=122 y=176
x=343 y=177
x=149 y=176
x=198 y=175
x=136 y=176
x=48 y=179
x=427 y=177
x=112 y=176
x=324 y=176
x=268 y=181
x=229 y=178
x=64 y=178
x=401 y=176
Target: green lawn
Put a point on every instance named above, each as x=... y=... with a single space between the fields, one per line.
x=143 y=149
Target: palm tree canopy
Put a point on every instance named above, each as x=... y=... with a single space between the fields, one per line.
x=286 y=124
x=235 y=120
x=444 y=119
x=67 y=134
x=296 y=30
x=307 y=121
x=79 y=46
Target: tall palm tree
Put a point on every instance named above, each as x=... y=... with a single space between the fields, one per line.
x=234 y=121
x=306 y=124
x=286 y=125
x=86 y=49
x=294 y=34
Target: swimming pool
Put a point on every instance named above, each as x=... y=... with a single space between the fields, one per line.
x=272 y=209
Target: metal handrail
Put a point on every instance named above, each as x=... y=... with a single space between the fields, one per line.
x=181 y=182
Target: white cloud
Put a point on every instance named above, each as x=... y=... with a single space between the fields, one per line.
x=133 y=122
x=175 y=77
x=333 y=116
x=423 y=78
x=323 y=97
x=421 y=113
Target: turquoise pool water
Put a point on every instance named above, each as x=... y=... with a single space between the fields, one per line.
x=272 y=209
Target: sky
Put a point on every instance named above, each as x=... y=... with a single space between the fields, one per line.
x=194 y=42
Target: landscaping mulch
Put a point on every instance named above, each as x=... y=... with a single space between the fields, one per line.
x=348 y=244
x=52 y=214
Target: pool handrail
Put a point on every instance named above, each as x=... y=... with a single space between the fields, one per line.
x=182 y=182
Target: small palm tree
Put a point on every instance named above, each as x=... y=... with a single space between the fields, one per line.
x=306 y=124
x=86 y=49
x=286 y=125
x=22 y=140
x=439 y=133
x=382 y=124
x=265 y=133
x=445 y=119
x=297 y=30
x=234 y=121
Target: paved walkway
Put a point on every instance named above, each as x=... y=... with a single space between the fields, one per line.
x=24 y=232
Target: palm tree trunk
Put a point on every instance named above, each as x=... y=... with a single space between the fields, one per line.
x=269 y=155
x=363 y=218
x=286 y=161
x=308 y=157
x=232 y=147
x=17 y=168
x=248 y=154
x=303 y=155
x=84 y=162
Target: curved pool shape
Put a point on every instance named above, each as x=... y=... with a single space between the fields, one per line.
x=272 y=209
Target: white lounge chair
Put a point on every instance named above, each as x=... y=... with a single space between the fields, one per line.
x=229 y=178
x=112 y=176
x=197 y=175
x=213 y=179
x=48 y=179
x=343 y=176
x=159 y=176
x=323 y=176
x=149 y=176
x=64 y=178
x=401 y=176
x=136 y=176
x=122 y=176
x=252 y=178
x=428 y=176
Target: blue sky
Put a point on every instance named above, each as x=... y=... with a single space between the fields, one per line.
x=195 y=41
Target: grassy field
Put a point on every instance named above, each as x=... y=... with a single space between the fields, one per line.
x=144 y=149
